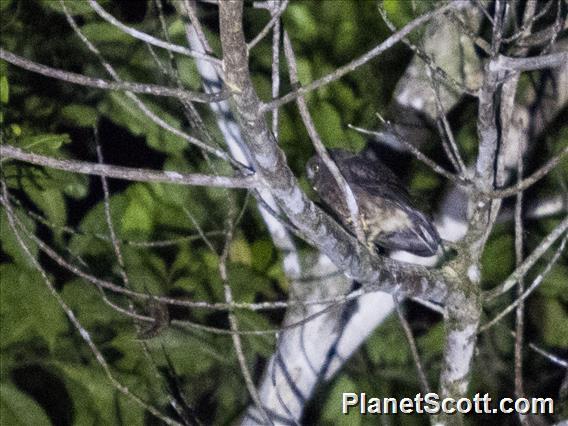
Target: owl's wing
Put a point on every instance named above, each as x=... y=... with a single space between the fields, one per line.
x=377 y=180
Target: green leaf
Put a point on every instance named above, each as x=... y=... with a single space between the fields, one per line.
x=498 y=258
x=303 y=25
x=329 y=125
x=262 y=252
x=94 y=396
x=86 y=302
x=16 y=129
x=10 y=244
x=136 y=219
x=240 y=252
x=80 y=115
x=423 y=180
x=50 y=201
x=78 y=187
x=5 y=4
x=17 y=408
x=305 y=74
x=204 y=354
x=554 y=284
x=331 y=411
x=246 y=282
x=384 y=346
x=103 y=32
x=46 y=142
x=40 y=315
x=4 y=89
x=555 y=316
x=139 y=214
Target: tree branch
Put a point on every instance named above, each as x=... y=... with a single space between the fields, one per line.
x=128 y=173
x=150 y=39
x=363 y=59
x=528 y=262
x=275 y=17
x=533 y=178
x=99 y=83
x=506 y=63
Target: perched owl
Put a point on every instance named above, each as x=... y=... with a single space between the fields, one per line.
x=387 y=215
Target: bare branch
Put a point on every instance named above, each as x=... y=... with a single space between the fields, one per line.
x=150 y=39
x=426 y=58
x=128 y=173
x=275 y=71
x=551 y=357
x=536 y=282
x=268 y=26
x=415 y=151
x=413 y=348
x=145 y=110
x=99 y=83
x=533 y=178
x=506 y=63
x=234 y=324
x=537 y=253
x=356 y=63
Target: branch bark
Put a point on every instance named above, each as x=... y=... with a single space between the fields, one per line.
x=128 y=173
x=100 y=83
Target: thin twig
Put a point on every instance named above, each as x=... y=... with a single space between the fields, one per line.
x=425 y=57
x=189 y=9
x=187 y=303
x=414 y=151
x=446 y=133
x=413 y=349
x=551 y=357
x=234 y=325
x=533 y=178
x=273 y=21
x=536 y=282
x=529 y=261
x=333 y=303
x=473 y=36
x=145 y=110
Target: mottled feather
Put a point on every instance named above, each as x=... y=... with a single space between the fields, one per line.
x=387 y=214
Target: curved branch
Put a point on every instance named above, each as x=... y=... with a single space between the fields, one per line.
x=128 y=173
x=99 y=83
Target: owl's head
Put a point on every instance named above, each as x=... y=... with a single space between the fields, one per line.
x=313 y=170
x=317 y=171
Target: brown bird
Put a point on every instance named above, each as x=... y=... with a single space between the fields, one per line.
x=387 y=215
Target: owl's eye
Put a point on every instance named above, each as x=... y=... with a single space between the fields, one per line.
x=316 y=168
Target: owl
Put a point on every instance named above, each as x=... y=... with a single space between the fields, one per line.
x=387 y=215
